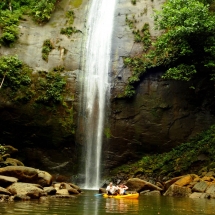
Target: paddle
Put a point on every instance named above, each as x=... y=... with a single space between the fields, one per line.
x=99 y=194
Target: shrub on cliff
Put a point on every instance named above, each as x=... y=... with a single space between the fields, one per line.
x=186 y=47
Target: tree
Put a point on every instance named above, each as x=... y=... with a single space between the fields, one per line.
x=187 y=44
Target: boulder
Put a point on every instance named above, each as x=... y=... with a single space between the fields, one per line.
x=44 y=178
x=71 y=189
x=21 y=197
x=24 y=174
x=4 y=191
x=34 y=191
x=62 y=192
x=4 y=197
x=10 y=149
x=196 y=195
x=178 y=191
x=185 y=180
x=7 y=180
x=210 y=174
x=208 y=178
x=102 y=190
x=212 y=196
x=50 y=190
x=168 y=183
x=14 y=162
x=1 y=159
x=136 y=184
x=152 y=193
x=27 y=174
x=200 y=187
x=210 y=189
x=144 y=192
x=75 y=187
x=5 y=156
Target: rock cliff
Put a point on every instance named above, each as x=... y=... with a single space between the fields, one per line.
x=161 y=115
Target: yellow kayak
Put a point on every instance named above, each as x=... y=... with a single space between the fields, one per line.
x=128 y=196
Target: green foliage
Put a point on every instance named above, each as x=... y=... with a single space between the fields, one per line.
x=47 y=48
x=2 y=150
x=11 y=12
x=69 y=31
x=187 y=46
x=9 y=25
x=107 y=133
x=182 y=159
x=50 y=87
x=143 y=36
x=133 y=2
x=70 y=15
x=42 y=10
x=11 y=69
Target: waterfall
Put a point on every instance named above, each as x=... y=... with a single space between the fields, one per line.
x=96 y=85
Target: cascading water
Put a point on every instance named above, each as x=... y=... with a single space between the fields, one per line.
x=96 y=85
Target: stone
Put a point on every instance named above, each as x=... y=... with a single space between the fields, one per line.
x=7 y=180
x=160 y=185
x=75 y=187
x=44 y=178
x=4 y=197
x=102 y=190
x=196 y=195
x=138 y=185
x=50 y=190
x=27 y=174
x=168 y=183
x=144 y=192
x=210 y=174
x=178 y=191
x=200 y=187
x=10 y=149
x=184 y=180
x=152 y=193
x=210 y=189
x=34 y=191
x=4 y=191
x=212 y=195
x=65 y=186
x=14 y=162
x=5 y=156
x=22 y=197
x=207 y=178
x=62 y=192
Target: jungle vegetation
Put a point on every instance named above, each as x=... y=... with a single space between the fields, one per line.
x=11 y=11
x=195 y=156
x=186 y=46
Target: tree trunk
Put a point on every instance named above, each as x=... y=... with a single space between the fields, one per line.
x=2 y=81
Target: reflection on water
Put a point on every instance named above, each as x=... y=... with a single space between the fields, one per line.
x=121 y=205
x=88 y=204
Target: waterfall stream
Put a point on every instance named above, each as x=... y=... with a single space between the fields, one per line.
x=96 y=85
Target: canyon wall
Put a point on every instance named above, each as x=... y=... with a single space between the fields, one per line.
x=160 y=116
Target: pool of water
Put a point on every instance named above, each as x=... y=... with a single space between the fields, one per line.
x=88 y=204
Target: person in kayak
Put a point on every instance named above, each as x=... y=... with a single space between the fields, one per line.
x=111 y=189
x=122 y=189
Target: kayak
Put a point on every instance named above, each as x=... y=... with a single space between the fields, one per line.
x=128 y=196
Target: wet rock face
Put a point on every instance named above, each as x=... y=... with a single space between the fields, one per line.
x=162 y=115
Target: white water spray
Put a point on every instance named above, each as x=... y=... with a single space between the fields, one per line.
x=96 y=85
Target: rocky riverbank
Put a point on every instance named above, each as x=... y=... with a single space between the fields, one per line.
x=18 y=182
x=191 y=185
x=25 y=183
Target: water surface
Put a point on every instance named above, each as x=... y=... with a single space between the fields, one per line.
x=88 y=204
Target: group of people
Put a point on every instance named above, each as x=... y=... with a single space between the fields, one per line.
x=114 y=190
